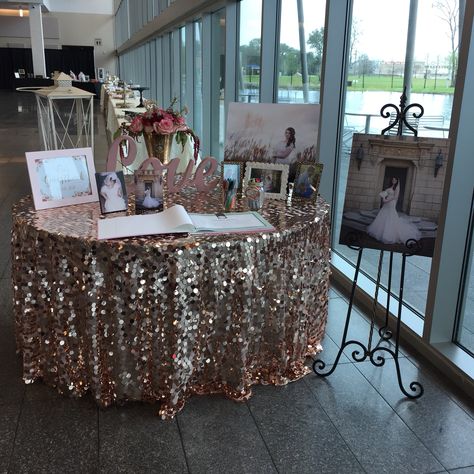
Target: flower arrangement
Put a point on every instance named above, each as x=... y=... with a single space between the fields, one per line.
x=159 y=121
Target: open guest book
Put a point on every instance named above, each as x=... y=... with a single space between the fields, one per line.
x=176 y=220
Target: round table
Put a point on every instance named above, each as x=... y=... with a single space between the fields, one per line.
x=160 y=318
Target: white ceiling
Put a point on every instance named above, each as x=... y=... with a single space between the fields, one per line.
x=104 y=7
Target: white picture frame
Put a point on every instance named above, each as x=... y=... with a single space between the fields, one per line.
x=274 y=177
x=62 y=177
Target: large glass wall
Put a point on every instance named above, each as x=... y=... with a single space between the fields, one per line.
x=380 y=45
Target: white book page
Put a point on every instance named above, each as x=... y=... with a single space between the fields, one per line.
x=232 y=221
x=172 y=220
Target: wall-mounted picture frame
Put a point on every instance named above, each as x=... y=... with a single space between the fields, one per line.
x=273 y=176
x=62 y=177
x=233 y=171
x=112 y=191
x=307 y=179
x=148 y=191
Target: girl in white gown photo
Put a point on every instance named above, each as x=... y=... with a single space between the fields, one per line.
x=150 y=202
x=284 y=152
x=112 y=194
x=388 y=227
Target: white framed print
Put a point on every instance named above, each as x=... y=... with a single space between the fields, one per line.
x=62 y=177
x=273 y=176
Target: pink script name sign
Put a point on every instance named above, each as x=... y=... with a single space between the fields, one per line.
x=205 y=169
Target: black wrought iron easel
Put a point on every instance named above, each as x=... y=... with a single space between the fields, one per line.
x=375 y=352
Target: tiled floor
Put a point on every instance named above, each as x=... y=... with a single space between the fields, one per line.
x=356 y=420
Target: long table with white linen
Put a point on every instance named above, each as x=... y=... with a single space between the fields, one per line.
x=115 y=116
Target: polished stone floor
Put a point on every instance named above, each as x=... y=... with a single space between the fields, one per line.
x=354 y=421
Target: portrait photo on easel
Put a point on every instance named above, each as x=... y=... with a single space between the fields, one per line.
x=394 y=192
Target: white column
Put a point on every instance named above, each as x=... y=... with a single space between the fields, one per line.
x=37 y=40
x=331 y=122
x=269 y=55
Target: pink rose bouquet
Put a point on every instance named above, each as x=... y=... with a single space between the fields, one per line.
x=156 y=120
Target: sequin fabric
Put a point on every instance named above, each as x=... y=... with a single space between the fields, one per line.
x=160 y=318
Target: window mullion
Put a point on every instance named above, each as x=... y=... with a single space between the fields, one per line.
x=449 y=255
x=269 y=53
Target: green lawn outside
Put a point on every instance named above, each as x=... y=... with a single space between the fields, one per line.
x=368 y=83
x=384 y=83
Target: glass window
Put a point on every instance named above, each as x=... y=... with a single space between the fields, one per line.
x=182 y=55
x=465 y=333
x=218 y=83
x=250 y=42
x=376 y=76
x=197 y=109
x=300 y=50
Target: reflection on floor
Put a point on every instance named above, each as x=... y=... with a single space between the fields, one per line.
x=354 y=421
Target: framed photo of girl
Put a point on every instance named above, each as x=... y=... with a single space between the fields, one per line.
x=273 y=176
x=308 y=176
x=112 y=192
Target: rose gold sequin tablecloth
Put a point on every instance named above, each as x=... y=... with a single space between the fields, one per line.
x=160 y=318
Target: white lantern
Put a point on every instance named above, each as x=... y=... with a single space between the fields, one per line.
x=65 y=115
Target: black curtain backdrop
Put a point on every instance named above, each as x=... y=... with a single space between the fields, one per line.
x=12 y=59
x=79 y=59
x=70 y=58
x=54 y=61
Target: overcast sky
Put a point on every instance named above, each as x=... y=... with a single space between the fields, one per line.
x=382 y=26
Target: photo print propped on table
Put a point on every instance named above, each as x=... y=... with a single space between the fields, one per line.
x=308 y=176
x=62 y=177
x=148 y=190
x=112 y=191
x=272 y=133
x=233 y=171
x=394 y=192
